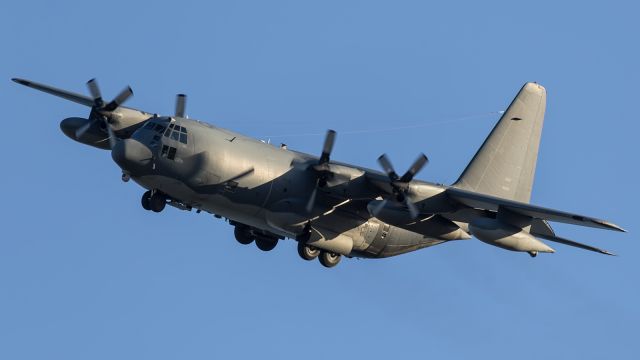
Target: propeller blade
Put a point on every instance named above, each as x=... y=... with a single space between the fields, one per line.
x=181 y=104
x=112 y=136
x=413 y=209
x=376 y=210
x=420 y=162
x=312 y=199
x=384 y=161
x=329 y=140
x=83 y=129
x=120 y=99
x=95 y=93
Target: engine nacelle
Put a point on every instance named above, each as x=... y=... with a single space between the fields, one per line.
x=123 y=121
x=509 y=237
x=94 y=136
x=389 y=212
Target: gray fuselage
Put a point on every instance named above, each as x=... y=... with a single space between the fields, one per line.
x=262 y=186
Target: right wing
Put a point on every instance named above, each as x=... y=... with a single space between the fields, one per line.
x=486 y=202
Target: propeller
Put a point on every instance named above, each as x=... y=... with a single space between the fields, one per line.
x=100 y=110
x=181 y=105
x=400 y=185
x=322 y=168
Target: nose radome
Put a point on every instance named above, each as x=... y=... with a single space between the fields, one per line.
x=131 y=155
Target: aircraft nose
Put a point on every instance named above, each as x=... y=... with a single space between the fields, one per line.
x=131 y=155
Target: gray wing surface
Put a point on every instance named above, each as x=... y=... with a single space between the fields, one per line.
x=77 y=98
x=487 y=202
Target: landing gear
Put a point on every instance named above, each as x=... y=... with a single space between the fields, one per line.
x=243 y=235
x=266 y=243
x=329 y=259
x=157 y=202
x=153 y=200
x=533 y=253
x=145 y=200
x=126 y=177
x=307 y=252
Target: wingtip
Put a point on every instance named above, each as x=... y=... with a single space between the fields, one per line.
x=611 y=226
x=20 y=81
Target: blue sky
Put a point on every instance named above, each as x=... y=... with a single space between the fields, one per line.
x=86 y=273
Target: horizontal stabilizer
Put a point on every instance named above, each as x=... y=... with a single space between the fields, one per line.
x=573 y=243
x=486 y=202
x=68 y=95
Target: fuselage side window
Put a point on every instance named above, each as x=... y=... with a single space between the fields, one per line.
x=172 y=153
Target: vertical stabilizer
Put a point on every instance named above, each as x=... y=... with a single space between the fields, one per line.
x=506 y=162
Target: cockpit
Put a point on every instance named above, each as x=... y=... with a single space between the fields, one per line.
x=164 y=136
x=176 y=132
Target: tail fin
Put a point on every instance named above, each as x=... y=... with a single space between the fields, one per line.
x=506 y=162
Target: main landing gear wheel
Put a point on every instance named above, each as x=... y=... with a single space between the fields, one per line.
x=157 y=202
x=266 y=244
x=146 y=197
x=307 y=252
x=243 y=235
x=329 y=259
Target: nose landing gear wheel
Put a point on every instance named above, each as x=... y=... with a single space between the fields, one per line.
x=329 y=259
x=266 y=244
x=145 y=200
x=307 y=252
x=157 y=202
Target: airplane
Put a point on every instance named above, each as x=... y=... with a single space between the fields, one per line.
x=332 y=209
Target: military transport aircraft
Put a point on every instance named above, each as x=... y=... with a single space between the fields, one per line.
x=332 y=209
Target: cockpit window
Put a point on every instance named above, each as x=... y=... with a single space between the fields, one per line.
x=177 y=132
x=149 y=125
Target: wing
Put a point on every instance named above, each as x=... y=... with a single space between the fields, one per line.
x=486 y=202
x=80 y=99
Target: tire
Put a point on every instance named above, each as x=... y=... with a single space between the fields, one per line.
x=157 y=202
x=329 y=259
x=266 y=244
x=243 y=235
x=307 y=252
x=145 y=200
